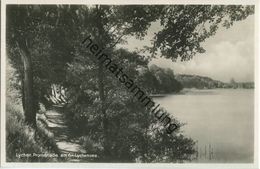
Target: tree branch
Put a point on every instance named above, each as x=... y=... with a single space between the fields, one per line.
x=120 y=37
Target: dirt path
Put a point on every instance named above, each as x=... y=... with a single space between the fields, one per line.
x=65 y=143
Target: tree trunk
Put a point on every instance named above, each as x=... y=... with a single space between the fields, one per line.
x=105 y=121
x=27 y=86
x=107 y=150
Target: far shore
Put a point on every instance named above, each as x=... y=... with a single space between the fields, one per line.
x=186 y=90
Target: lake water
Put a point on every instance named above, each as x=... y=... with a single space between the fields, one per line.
x=221 y=120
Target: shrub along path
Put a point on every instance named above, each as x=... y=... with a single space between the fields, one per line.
x=62 y=135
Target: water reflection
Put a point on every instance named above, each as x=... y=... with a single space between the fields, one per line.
x=222 y=122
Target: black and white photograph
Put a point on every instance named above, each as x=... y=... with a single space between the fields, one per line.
x=128 y=83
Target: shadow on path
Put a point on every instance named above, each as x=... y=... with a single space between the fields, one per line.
x=57 y=124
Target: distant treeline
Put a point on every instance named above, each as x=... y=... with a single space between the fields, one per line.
x=157 y=80
x=201 y=82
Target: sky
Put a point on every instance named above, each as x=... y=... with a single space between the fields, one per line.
x=229 y=53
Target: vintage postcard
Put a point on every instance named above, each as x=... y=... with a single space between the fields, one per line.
x=140 y=84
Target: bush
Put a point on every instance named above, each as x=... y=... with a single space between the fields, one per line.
x=20 y=138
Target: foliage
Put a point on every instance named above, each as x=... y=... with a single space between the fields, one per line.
x=130 y=124
x=23 y=139
x=186 y=26
x=159 y=80
x=199 y=82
